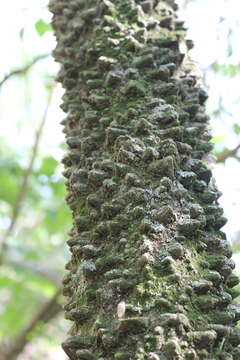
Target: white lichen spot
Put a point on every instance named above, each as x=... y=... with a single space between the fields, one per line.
x=121 y=308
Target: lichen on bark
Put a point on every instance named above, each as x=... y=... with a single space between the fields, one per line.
x=150 y=275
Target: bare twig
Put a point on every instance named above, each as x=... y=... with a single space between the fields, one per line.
x=22 y=70
x=25 y=180
x=36 y=268
x=227 y=154
x=47 y=312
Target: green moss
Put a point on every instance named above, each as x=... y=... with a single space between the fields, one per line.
x=85 y=355
x=163 y=167
x=134 y=325
x=134 y=89
x=122 y=355
x=165 y=215
x=206 y=302
x=94 y=84
x=143 y=61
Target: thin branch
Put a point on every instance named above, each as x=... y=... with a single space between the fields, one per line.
x=23 y=70
x=47 y=312
x=26 y=177
x=227 y=154
x=36 y=268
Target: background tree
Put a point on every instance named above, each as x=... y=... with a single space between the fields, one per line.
x=33 y=224
x=151 y=271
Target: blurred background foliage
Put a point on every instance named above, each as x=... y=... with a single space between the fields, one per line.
x=34 y=220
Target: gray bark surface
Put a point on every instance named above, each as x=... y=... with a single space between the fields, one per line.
x=150 y=275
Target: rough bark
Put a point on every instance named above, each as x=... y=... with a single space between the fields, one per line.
x=151 y=273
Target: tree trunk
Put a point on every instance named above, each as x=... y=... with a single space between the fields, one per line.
x=151 y=273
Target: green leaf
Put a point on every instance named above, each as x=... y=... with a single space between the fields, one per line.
x=21 y=33
x=56 y=220
x=227 y=70
x=9 y=187
x=216 y=112
x=236 y=128
x=48 y=166
x=229 y=49
x=25 y=292
x=42 y=27
x=217 y=139
x=37 y=331
x=58 y=188
x=13 y=317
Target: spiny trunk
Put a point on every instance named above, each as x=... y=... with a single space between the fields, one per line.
x=151 y=273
